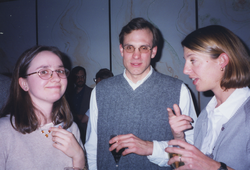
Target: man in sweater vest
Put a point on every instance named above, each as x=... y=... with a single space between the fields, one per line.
x=133 y=107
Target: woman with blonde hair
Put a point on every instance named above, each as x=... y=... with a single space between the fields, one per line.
x=216 y=60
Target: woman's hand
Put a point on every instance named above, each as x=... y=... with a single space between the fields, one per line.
x=67 y=143
x=191 y=156
x=178 y=123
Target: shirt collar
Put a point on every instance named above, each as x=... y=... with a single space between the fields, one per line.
x=135 y=85
x=231 y=105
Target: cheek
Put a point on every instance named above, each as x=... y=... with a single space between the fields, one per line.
x=64 y=83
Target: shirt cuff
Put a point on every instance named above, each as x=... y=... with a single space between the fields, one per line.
x=159 y=156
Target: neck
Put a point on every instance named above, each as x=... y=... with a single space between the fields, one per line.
x=135 y=78
x=78 y=89
x=43 y=113
x=222 y=95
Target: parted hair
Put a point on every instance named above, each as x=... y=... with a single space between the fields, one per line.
x=139 y=24
x=19 y=105
x=215 y=40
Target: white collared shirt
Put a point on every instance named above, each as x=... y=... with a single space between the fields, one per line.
x=159 y=156
x=217 y=117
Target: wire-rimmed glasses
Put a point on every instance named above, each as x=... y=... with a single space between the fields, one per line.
x=46 y=74
x=142 y=49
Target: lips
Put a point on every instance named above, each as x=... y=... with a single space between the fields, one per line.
x=136 y=64
x=54 y=87
x=195 y=80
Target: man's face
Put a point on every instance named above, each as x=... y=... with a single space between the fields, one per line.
x=80 y=79
x=137 y=64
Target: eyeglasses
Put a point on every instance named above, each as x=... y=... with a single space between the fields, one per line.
x=46 y=74
x=142 y=49
x=80 y=77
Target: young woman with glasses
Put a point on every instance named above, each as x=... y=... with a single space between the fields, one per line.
x=36 y=125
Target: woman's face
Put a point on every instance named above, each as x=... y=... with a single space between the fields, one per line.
x=203 y=70
x=44 y=91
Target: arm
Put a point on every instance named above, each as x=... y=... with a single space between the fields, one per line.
x=91 y=135
x=159 y=156
x=192 y=157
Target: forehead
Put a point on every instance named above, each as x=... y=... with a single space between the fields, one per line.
x=46 y=59
x=142 y=37
x=80 y=73
x=189 y=54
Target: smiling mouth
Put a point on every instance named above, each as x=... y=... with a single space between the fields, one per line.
x=136 y=64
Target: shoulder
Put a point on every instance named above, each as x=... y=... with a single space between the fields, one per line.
x=5 y=126
x=111 y=81
x=75 y=130
x=74 y=126
x=87 y=88
x=5 y=122
x=165 y=80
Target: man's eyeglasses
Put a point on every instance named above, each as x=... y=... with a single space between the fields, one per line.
x=142 y=49
x=46 y=74
x=80 y=77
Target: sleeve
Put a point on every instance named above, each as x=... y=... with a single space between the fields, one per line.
x=159 y=156
x=91 y=137
x=187 y=108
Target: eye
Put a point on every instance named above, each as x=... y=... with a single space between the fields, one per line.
x=60 y=71
x=44 y=72
x=192 y=61
x=144 y=47
x=129 y=48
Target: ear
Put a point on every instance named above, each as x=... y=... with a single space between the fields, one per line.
x=154 y=51
x=23 y=84
x=121 y=49
x=223 y=60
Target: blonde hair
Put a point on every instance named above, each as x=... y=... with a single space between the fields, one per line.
x=215 y=40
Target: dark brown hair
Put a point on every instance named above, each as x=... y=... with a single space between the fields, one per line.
x=19 y=105
x=139 y=24
x=215 y=40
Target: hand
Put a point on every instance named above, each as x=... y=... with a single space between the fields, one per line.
x=132 y=144
x=67 y=143
x=191 y=156
x=178 y=123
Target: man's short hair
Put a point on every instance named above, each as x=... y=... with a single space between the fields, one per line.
x=104 y=73
x=76 y=69
x=139 y=24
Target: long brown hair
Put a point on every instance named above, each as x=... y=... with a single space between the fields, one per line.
x=215 y=40
x=19 y=105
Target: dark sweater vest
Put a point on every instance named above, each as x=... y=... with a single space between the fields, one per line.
x=142 y=112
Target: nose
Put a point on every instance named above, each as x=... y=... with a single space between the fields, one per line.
x=136 y=53
x=55 y=76
x=186 y=69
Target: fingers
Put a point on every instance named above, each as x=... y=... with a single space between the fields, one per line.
x=118 y=142
x=132 y=144
x=177 y=113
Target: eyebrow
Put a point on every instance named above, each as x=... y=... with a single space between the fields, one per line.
x=47 y=66
x=134 y=46
x=189 y=55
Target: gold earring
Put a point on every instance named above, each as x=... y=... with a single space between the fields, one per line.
x=221 y=69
